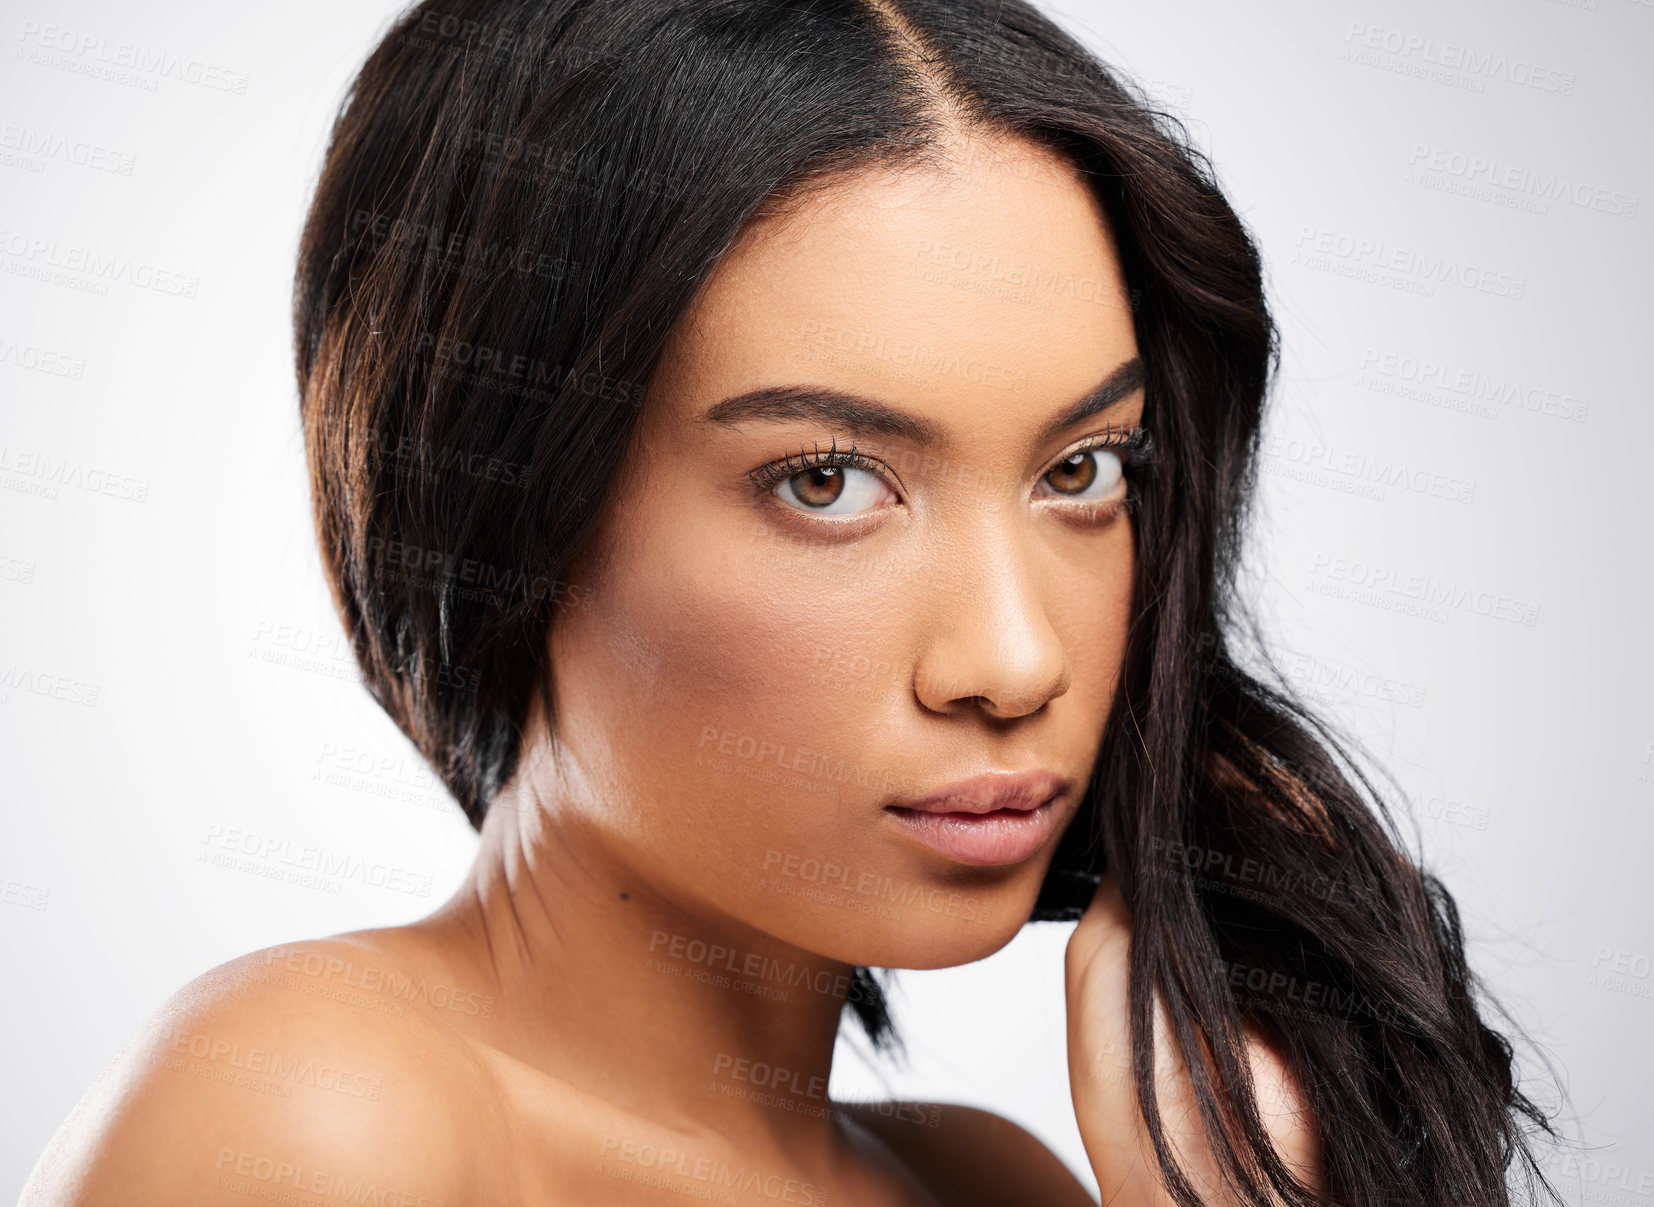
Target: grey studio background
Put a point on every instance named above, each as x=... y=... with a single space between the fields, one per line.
x=1456 y=204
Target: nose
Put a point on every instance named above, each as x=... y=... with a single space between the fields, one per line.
x=989 y=641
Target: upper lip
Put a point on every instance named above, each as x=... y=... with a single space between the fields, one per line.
x=990 y=791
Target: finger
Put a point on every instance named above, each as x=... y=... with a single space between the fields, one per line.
x=1106 y=921
x=1284 y=1110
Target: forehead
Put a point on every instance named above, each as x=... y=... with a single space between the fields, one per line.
x=983 y=288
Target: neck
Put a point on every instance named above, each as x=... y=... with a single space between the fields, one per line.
x=666 y=1008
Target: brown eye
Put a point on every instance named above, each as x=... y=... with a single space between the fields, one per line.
x=818 y=487
x=1093 y=474
x=833 y=490
x=1073 y=475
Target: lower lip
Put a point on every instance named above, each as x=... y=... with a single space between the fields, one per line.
x=980 y=839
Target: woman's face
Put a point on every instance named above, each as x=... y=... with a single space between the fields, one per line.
x=762 y=666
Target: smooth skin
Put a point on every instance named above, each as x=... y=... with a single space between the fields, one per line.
x=671 y=893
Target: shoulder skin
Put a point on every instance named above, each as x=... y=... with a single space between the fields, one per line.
x=267 y=1078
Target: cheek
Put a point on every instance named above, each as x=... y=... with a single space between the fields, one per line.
x=749 y=660
x=1088 y=600
x=755 y=638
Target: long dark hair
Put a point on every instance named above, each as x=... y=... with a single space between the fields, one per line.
x=519 y=200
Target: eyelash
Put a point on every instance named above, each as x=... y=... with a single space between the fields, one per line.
x=1133 y=445
x=766 y=477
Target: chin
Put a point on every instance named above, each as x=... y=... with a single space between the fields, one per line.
x=942 y=926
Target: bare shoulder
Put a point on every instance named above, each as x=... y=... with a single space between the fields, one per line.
x=284 y=1074
x=970 y=1157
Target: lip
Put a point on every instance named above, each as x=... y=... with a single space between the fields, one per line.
x=989 y=820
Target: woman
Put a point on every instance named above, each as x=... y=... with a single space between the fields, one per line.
x=729 y=424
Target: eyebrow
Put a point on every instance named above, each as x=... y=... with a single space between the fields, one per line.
x=866 y=416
